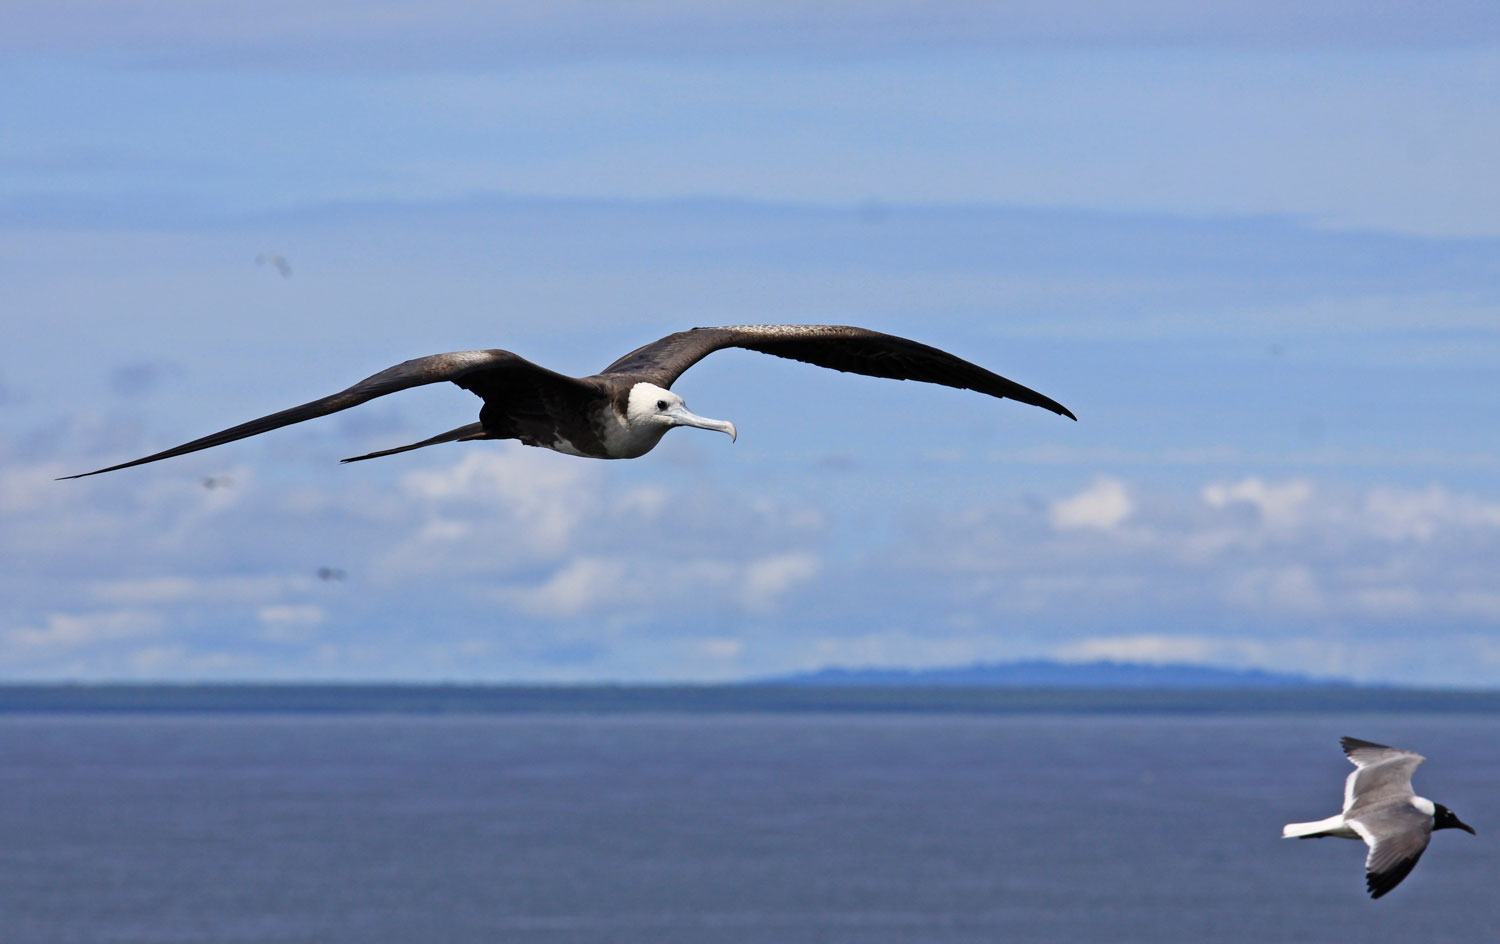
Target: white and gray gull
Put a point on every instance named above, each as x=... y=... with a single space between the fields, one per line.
x=1381 y=808
x=624 y=410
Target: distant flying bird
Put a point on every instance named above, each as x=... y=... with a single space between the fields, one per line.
x=1381 y=808
x=330 y=573
x=277 y=260
x=623 y=411
x=212 y=482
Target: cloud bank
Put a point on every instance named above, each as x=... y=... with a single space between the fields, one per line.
x=514 y=563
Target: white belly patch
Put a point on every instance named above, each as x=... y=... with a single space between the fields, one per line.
x=563 y=446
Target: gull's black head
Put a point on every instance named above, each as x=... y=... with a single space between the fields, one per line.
x=1444 y=818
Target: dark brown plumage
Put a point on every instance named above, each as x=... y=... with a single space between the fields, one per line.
x=624 y=410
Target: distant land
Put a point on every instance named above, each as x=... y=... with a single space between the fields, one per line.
x=1044 y=673
x=1008 y=689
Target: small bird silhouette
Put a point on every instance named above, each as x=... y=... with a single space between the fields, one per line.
x=277 y=260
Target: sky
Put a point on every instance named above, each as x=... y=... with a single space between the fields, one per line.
x=1254 y=247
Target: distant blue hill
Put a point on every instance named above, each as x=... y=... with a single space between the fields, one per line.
x=1043 y=673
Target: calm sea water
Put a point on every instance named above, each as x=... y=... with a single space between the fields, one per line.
x=721 y=828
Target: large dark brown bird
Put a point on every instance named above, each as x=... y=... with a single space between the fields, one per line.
x=624 y=410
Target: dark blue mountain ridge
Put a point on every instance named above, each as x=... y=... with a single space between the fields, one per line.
x=1045 y=673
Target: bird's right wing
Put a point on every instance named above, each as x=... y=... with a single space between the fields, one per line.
x=837 y=347
x=461 y=367
x=1397 y=835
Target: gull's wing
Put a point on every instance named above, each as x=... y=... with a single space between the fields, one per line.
x=1397 y=834
x=839 y=347
x=479 y=371
x=1381 y=774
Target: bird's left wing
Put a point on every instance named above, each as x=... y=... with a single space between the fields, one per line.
x=1381 y=773
x=838 y=347
x=413 y=373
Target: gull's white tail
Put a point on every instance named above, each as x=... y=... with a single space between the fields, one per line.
x=1332 y=826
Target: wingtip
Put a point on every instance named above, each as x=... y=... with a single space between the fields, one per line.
x=108 y=468
x=1047 y=403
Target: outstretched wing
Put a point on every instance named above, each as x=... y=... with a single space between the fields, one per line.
x=474 y=370
x=839 y=347
x=1381 y=774
x=1397 y=835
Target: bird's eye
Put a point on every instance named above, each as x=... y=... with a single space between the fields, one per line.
x=661 y=404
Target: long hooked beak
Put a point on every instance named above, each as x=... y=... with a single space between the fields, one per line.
x=682 y=416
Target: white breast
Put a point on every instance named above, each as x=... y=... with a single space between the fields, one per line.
x=622 y=440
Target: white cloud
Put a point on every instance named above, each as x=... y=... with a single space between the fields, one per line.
x=898 y=648
x=720 y=649
x=1104 y=505
x=632 y=589
x=175 y=661
x=583 y=584
x=31 y=487
x=148 y=591
x=1333 y=654
x=1293 y=588
x=645 y=501
x=1280 y=506
x=441 y=530
x=1156 y=648
x=81 y=630
x=1399 y=515
x=1406 y=566
x=766 y=579
x=1316 y=655
x=493 y=510
x=286 y=622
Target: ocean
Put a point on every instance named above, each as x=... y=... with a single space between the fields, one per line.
x=736 y=827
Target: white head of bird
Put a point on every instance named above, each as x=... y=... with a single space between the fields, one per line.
x=651 y=410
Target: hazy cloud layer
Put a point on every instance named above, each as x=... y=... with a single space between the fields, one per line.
x=1374 y=582
x=508 y=562
x=486 y=555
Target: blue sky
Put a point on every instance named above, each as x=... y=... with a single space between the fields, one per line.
x=1254 y=248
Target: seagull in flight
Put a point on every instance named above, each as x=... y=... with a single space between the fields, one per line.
x=1381 y=808
x=623 y=411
